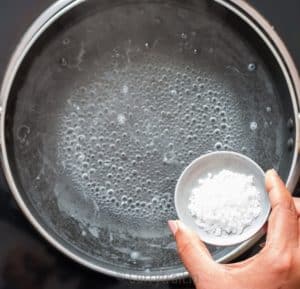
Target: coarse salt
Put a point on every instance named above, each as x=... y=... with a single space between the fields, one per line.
x=225 y=203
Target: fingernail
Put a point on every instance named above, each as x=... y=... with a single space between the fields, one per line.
x=173 y=226
x=274 y=172
x=181 y=225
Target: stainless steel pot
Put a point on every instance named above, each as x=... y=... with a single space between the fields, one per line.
x=33 y=208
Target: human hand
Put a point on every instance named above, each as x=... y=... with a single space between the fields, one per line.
x=276 y=266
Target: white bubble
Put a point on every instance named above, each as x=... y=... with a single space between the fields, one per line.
x=183 y=36
x=224 y=125
x=253 y=125
x=85 y=176
x=94 y=231
x=218 y=145
x=121 y=118
x=125 y=89
x=173 y=92
x=251 y=66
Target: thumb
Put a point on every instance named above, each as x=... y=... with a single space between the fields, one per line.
x=193 y=252
x=283 y=220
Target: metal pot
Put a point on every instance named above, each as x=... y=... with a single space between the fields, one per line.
x=26 y=139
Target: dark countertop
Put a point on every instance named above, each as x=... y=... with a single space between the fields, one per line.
x=26 y=260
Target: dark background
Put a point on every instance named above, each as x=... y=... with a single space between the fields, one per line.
x=26 y=260
x=17 y=15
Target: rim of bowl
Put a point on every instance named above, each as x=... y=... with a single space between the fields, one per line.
x=213 y=241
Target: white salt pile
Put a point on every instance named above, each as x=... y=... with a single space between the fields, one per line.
x=225 y=203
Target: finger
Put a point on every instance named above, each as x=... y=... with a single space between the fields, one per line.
x=278 y=193
x=283 y=220
x=297 y=205
x=298 y=232
x=193 y=252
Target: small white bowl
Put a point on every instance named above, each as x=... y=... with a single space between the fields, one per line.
x=214 y=163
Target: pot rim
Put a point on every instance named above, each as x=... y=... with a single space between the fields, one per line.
x=244 y=11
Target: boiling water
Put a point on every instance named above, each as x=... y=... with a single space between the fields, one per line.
x=125 y=138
